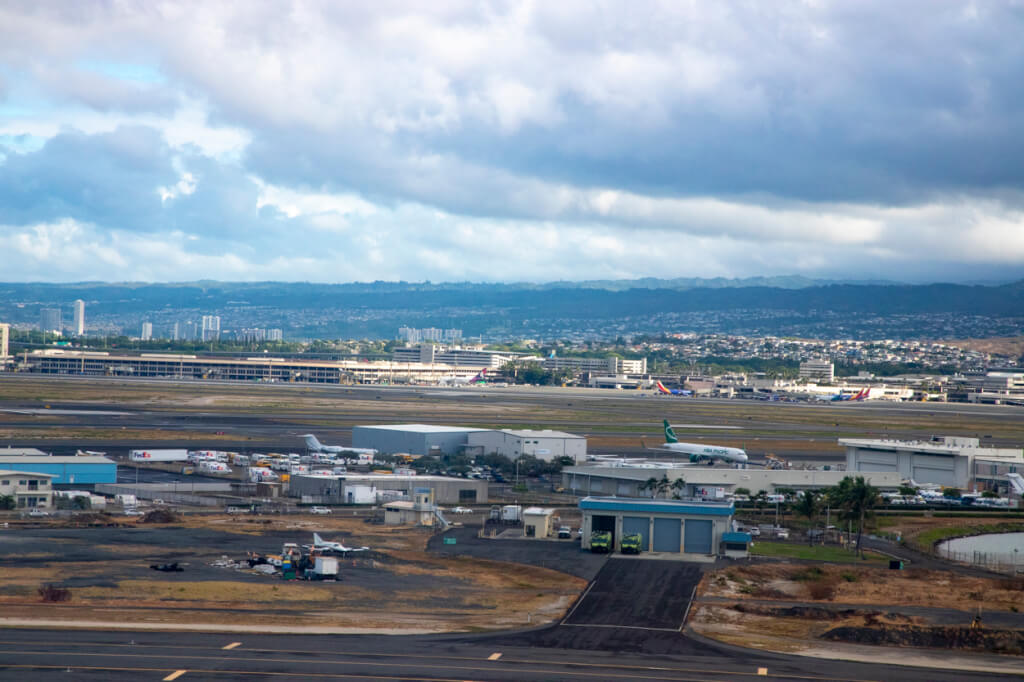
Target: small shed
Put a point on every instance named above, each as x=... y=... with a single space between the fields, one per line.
x=537 y=522
x=736 y=545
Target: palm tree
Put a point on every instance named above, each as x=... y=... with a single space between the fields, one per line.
x=677 y=488
x=856 y=497
x=808 y=505
x=650 y=484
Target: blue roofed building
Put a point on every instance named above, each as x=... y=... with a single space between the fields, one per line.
x=84 y=470
x=687 y=529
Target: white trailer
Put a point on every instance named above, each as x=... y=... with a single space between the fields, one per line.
x=170 y=455
x=325 y=568
x=126 y=500
x=261 y=474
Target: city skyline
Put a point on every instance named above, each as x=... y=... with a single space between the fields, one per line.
x=512 y=143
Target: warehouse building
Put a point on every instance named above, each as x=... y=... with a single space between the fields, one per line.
x=29 y=489
x=546 y=445
x=692 y=530
x=948 y=461
x=21 y=452
x=84 y=470
x=414 y=439
x=350 y=489
x=628 y=479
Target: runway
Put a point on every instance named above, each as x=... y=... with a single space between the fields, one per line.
x=90 y=655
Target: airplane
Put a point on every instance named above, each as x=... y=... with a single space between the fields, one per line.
x=480 y=378
x=313 y=445
x=863 y=394
x=675 y=391
x=697 y=452
x=322 y=545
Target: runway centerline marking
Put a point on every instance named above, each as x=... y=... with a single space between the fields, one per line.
x=231 y=646
x=175 y=675
x=494 y=656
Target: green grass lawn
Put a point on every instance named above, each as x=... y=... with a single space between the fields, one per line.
x=816 y=552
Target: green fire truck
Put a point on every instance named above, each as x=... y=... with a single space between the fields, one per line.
x=600 y=541
x=631 y=543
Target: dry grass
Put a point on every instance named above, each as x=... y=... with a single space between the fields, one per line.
x=221 y=591
x=863 y=585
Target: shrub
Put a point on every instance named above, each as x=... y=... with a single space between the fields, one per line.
x=849 y=577
x=52 y=593
x=822 y=589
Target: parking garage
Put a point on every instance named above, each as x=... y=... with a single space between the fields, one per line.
x=688 y=529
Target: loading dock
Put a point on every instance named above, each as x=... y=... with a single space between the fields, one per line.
x=688 y=529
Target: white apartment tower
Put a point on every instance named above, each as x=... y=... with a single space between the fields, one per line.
x=5 y=336
x=79 y=307
x=147 y=331
x=211 y=327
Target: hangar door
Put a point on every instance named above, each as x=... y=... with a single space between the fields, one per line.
x=666 y=535
x=603 y=523
x=637 y=524
x=698 y=537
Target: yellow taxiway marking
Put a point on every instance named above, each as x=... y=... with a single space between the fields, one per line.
x=231 y=646
x=763 y=672
x=175 y=675
x=494 y=657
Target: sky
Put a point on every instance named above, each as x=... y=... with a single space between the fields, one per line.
x=511 y=141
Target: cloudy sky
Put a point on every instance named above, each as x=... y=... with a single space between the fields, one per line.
x=340 y=141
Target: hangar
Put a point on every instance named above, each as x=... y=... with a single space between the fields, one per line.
x=689 y=529
x=414 y=439
x=546 y=445
x=348 y=488
x=84 y=470
x=949 y=461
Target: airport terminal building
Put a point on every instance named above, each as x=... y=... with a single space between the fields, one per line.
x=82 y=470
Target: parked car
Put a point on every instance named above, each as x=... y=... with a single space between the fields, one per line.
x=319 y=510
x=565 y=532
x=39 y=512
x=462 y=510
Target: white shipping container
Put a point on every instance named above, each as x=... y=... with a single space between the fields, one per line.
x=171 y=455
x=126 y=500
x=360 y=494
x=326 y=565
x=511 y=512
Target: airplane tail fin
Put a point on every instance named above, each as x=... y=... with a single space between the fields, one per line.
x=661 y=388
x=311 y=442
x=317 y=540
x=670 y=435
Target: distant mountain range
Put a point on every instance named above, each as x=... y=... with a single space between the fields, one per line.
x=776 y=305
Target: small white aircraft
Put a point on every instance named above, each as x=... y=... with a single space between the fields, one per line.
x=313 y=445
x=322 y=545
x=698 y=452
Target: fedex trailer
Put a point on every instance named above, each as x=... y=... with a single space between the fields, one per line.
x=172 y=455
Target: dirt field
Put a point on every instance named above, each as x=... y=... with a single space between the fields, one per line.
x=397 y=585
x=865 y=585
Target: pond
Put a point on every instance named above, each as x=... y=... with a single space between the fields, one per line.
x=985 y=549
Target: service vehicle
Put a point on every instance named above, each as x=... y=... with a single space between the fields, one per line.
x=319 y=510
x=462 y=510
x=600 y=541
x=631 y=543
x=565 y=532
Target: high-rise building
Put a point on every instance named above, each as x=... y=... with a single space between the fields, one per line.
x=147 y=331
x=211 y=328
x=5 y=337
x=275 y=335
x=79 y=307
x=49 y=320
x=175 y=333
